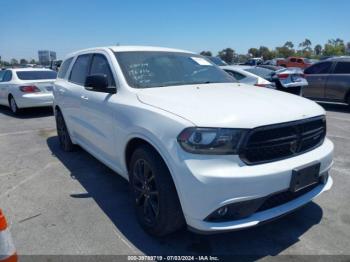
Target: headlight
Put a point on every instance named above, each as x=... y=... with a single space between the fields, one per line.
x=213 y=141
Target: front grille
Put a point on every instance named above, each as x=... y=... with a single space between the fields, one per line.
x=277 y=142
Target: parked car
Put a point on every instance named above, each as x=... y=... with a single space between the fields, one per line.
x=196 y=147
x=329 y=80
x=271 y=67
x=26 y=87
x=290 y=80
x=216 y=60
x=294 y=62
x=241 y=74
x=254 y=61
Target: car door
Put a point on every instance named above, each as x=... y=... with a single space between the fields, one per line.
x=73 y=97
x=2 y=87
x=6 y=86
x=338 y=84
x=317 y=76
x=97 y=111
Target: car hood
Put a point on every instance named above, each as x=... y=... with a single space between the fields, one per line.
x=230 y=105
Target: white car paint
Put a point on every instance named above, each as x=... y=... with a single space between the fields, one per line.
x=249 y=78
x=103 y=124
x=44 y=98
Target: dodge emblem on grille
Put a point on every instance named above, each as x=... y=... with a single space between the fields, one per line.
x=293 y=147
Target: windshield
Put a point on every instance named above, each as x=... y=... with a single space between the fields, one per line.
x=308 y=61
x=36 y=75
x=262 y=72
x=160 y=69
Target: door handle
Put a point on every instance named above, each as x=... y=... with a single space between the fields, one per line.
x=84 y=97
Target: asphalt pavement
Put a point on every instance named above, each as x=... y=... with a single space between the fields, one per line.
x=69 y=203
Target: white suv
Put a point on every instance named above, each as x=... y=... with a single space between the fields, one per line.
x=197 y=147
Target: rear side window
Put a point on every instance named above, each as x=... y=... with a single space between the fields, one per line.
x=100 y=65
x=36 y=75
x=319 y=68
x=236 y=75
x=64 y=68
x=7 y=76
x=80 y=70
x=342 y=68
x=2 y=74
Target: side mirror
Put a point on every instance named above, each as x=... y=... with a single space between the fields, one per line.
x=98 y=83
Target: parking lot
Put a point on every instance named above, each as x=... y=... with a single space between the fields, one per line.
x=69 y=203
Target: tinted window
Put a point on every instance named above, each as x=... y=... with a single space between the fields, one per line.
x=99 y=65
x=7 y=76
x=217 y=61
x=236 y=75
x=300 y=61
x=64 y=68
x=2 y=74
x=319 y=68
x=342 y=68
x=293 y=60
x=80 y=70
x=36 y=75
x=161 y=69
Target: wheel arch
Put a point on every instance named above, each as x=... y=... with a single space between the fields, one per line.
x=137 y=141
x=133 y=144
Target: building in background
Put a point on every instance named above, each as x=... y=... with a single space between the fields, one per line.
x=46 y=56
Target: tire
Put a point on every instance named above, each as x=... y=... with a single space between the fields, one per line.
x=156 y=202
x=13 y=105
x=63 y=134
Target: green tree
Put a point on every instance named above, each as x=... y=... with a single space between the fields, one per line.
x=254 y=52
x=289 y=45
x=227 y=55
x=348 y=48
x=334 y=47
x=32 y=61
x=318 y=50
x=23 y=61
x=14 y=61
x=306 y=50
x=265 y=53
x=306 y=45
x=206 y=53
x=285 y=50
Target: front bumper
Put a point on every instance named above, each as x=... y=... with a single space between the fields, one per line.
x=34 y=100
x=206 y=183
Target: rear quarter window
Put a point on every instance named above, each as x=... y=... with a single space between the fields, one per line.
x=64 y=68
x=342 y=68
x=2 y=74
x=36 y=75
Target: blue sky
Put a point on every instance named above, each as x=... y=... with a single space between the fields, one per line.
x=68 y=25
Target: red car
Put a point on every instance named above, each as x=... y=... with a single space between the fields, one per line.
x=294 y=62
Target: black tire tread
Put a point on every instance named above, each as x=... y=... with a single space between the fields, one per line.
x=68 y=146
x=172 y=218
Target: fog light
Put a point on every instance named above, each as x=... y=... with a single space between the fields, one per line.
x=222 y=211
